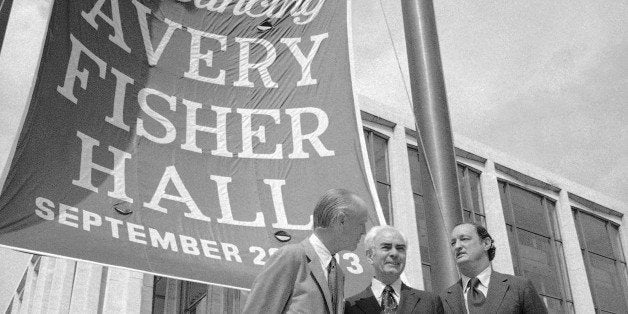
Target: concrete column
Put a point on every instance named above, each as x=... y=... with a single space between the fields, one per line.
x=495 y=222
x=173 y=296
x=404 y=215
x=86 y=288
x=147 y=293
x=123 y=293
x=42 y=286
x=60 y=291
x=578 y=280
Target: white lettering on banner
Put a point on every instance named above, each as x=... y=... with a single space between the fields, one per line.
x=299 y=8
x=91 y=219
x=114 y=223
x=171 y=131
x=225 y=205
x=196 y=56
x=231 y=251
x=72 y=72
x=72 y=216
x=210 y=247
x=298 y=137
x=114 y=21
x=168 y=241
x=189 y=245
x=248 y=134
x=136 y=233
x=65 y=213
x=153 y=55
x=261 y=67
x=44 y=208
x=305 y=62
x=171 y=175
x=302 y=11
x=220 y=130
x=165 y=242
x=280 y=210
x=122 y=80
x=87 y=165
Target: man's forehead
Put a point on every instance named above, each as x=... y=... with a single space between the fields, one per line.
x=464 y=229
x=389 y=237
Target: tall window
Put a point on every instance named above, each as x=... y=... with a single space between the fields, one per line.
x=536 y=245
x=417 y=193
x=193 y=297
x=471 y=194
x=604 y=261
x=377 y=147
x=159 y=294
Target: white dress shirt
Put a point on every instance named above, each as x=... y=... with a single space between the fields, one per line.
x=323 y=253
x=378 y=287
x=484 y=277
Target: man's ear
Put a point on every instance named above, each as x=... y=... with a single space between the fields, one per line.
x=341 y=218
x=487 y=243
x=369 y=256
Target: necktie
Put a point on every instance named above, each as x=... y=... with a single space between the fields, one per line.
x=388 y=300
x=475 y=297
x=332 y=282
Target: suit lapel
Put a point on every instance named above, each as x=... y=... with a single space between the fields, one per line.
x=454 y=298
x=367 y=302
x=409 y=299
x=317 y=272
x=496 y=291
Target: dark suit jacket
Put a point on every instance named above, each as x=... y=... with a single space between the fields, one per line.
x=411 y=301
x=506 y=294
x=293 y=281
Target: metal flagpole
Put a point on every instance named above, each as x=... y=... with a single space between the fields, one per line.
x=443 y=210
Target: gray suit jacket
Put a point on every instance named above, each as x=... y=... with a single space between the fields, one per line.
x=506 y=294
x=293 y=281
x=411 y=301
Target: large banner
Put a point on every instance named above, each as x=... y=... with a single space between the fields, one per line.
x=186 y=138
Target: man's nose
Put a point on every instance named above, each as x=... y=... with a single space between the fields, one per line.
x=457 y=245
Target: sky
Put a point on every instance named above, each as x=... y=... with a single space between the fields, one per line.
x=543 y=81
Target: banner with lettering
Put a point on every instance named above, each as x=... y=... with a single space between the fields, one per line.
x=185 y=138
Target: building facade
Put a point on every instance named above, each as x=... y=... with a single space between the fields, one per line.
x=568 y=239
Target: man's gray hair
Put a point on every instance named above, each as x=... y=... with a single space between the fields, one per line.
x=333 y=204
x=369 y=238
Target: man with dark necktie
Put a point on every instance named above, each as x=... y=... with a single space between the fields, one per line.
x=480 y=288
x=386 y=252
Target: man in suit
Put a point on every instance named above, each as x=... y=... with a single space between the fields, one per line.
x=305 y=277
x=480 y=288
x=386 y=252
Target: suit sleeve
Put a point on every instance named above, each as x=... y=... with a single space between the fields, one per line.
x=273 y=287
x=531 y=300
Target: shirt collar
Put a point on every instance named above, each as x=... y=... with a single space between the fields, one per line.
x=323 y=253
x=378 y=287
x=484 y=277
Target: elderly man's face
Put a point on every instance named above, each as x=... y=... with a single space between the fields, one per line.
x=388 y=255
